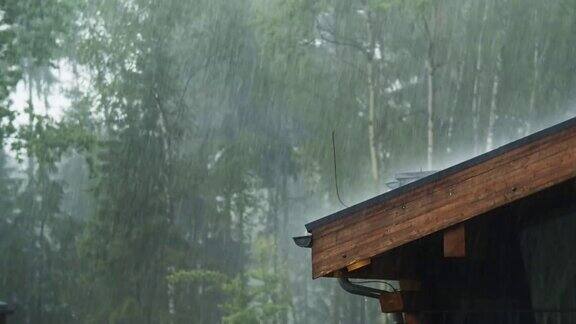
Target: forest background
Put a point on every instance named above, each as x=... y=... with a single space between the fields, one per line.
x=158 y=155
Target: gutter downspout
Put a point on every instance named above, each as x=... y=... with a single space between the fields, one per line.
x=360 y=290
x=367 y=292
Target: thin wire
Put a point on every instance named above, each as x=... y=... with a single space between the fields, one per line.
x=335 y=170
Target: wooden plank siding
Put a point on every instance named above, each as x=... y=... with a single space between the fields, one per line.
x=433 y=206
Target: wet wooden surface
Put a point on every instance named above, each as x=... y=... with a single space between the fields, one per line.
x=443 y=203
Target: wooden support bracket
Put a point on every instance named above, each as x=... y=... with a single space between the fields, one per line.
x=402 y=302
x=391 y=302
x=358 y=265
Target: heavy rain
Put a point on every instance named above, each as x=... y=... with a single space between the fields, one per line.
x=158 y=156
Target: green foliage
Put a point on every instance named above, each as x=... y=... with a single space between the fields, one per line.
x=211 y=278
x=384 y=5
x=263 y=300
x=48 y=141
x=9 y=73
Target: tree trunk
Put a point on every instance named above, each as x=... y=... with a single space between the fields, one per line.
x=336 y=304
x=37 y=313
x=283 y=233
x=371 y=99
x=535 y=79
x=493 y=103
x=431 y=71
x=476 y=97
x=459 y=79
x=362 y=307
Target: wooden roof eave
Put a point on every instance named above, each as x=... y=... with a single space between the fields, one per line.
x=443 y=199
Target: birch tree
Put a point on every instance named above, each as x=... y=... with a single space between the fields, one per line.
x=476 y=94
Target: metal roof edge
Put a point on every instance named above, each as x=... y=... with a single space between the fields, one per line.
x=442 y=174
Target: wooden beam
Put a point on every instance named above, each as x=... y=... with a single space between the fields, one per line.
x=448 y=201
x=408 y=302
x=402 y=302
x=394 y=265
x=454 y=242
x=358 y=265
x=409 y=285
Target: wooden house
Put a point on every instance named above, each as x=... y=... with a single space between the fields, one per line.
x=490 y=240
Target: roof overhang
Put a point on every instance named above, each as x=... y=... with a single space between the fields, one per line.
x=443 y=199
